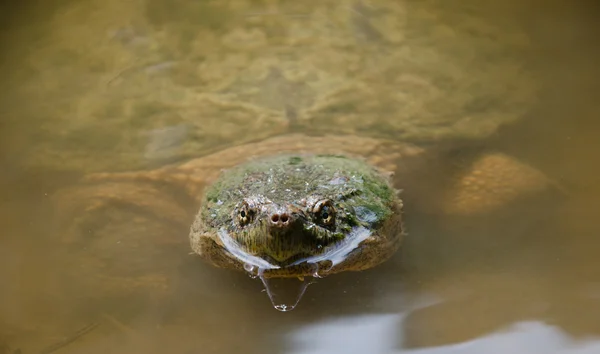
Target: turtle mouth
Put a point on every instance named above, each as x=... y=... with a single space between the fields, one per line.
x=291 y=261
x=265 y=260
x=300 y=263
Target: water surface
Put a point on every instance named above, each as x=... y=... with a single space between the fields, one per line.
x=95 y=86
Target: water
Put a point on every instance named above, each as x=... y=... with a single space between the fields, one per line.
x=95 y=86
x=285 y=293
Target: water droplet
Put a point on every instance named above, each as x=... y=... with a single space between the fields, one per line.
x=285 y=293
x=251 y=269
x=321 y=269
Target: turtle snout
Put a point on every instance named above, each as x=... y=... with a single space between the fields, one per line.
x=280 y=220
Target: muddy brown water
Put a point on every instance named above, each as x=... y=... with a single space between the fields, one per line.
x=112 y=85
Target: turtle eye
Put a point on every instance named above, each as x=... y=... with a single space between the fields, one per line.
x=324 y=212
x=245 y=214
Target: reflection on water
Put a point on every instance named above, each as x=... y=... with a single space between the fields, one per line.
x=522 y=337
x=114 y=86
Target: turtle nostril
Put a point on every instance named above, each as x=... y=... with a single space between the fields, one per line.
x=280 y=219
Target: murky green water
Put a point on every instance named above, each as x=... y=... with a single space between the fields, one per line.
x=106 y=86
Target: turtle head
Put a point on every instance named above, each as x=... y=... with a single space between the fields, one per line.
x=288 y=215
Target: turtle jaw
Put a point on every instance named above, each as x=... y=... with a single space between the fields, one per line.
x=331 y=259
x=276 y=241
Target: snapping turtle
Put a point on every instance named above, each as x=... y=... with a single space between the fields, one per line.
x=362 y=80
x=287 y=206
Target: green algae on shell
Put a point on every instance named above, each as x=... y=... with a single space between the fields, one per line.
x=299 y=215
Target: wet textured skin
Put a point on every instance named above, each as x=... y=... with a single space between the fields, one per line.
x=294 y=215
